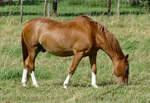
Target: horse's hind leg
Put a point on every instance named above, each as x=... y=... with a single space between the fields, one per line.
x=25 y=55
x=29 y=63
x=24 y=77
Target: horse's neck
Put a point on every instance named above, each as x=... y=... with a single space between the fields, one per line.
x=112 y=47
x=114 y=56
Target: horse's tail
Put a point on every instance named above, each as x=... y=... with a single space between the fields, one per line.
x=24 y=48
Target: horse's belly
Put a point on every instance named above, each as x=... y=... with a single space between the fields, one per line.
x=61 y=53
x=56 y=47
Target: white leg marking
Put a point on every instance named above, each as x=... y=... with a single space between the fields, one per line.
x=24 y=77
x=66 y=81
x=33 y=79
x=94 y=80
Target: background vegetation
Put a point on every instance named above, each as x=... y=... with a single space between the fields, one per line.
x=132 y=31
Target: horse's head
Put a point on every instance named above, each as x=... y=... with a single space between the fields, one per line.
x=106 y=41
x=121 y=70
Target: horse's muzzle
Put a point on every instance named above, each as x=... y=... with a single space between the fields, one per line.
x=122 y=81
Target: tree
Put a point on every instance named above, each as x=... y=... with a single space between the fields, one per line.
x=54 y=7
x=109 y=8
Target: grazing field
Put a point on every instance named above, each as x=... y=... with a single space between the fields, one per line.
x=133 y=33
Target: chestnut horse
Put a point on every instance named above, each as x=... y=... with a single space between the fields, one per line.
x=80 y=37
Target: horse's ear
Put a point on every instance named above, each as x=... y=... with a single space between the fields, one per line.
x=126 y=57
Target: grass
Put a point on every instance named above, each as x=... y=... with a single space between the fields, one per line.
x=133 y=33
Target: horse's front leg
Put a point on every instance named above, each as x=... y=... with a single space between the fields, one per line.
x=94 y=70
x=77 y=58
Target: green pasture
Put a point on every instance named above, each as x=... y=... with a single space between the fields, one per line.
x=132 y=31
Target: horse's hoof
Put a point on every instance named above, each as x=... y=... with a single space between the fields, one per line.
x=24 y=84
x=36 y=85
x=65 y=86
x=94 y=86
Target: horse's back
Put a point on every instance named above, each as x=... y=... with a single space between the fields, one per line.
x=59 y=38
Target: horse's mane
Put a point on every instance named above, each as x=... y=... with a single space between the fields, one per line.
x=110 y=39
x=113 y=43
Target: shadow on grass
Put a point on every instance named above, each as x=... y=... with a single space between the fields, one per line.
x=107 y=83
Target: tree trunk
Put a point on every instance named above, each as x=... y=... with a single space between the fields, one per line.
x=21 y=11
x=109 y=8
x=54 y=7
x=118 y=9
x=45 y=8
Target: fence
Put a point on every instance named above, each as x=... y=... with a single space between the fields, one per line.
x=93 y=7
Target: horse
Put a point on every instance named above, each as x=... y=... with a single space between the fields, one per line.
x=79 y=37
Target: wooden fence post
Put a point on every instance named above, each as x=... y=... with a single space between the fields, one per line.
x=45 y=8
x=118 y=9
x=48 y=11
x=21 y=11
